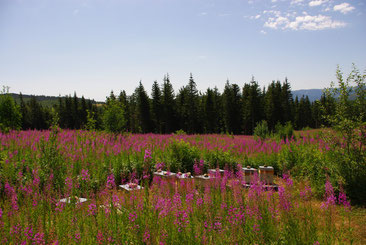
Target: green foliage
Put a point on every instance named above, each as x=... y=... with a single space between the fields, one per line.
x=180 y=132
x=261 y=130
x=349 y=121
x=90 y=120
x=113 y=117
x=10 y=116
x=51 y=162
x=284 y=131
x=183 y=155
x=221 y=159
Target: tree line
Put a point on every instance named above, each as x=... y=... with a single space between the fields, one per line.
x=236 y=110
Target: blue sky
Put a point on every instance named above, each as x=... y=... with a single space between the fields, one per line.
x=57 y=47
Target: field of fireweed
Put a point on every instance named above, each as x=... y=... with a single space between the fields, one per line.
x=39 y=168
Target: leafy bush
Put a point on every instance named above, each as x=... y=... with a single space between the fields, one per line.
x=221 y=159
x=113 y=117
x=261 y=130
x=349 y=121
x=10 y=116
x=284 y=131
x=183 y=156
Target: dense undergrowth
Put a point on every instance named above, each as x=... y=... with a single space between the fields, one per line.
x=38 y=168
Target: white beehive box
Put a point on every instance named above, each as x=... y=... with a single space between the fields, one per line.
x=131 y=187
x=248 y=172
x=214 y=171
x=184 y=175
x=266 y=174
x=164 y=174
x=75 y=200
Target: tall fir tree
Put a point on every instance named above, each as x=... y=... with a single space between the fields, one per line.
x=156 y=107
x=143 y=109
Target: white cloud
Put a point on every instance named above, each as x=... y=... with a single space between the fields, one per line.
x=257 y=16
x=296 y=2
x=344 y=8
x=317 y=2
x=274 y=12
x=275 y=23
x=273 y=1
x=263 y=32
x=305 y=22
x=75 y=12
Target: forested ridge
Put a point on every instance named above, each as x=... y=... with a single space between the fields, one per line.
x=236 y=110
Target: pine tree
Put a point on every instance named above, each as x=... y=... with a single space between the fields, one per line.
x=143 y=107
x=75 y=112
x=169 y=117
x=210 y=112
x=156 y=107
x=25 y=113
x=123 y=99
x=252 y=106
x=232 y=108
x=83 y=112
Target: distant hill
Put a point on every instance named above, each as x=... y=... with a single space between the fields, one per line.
x=45 y=100
x=313 y=94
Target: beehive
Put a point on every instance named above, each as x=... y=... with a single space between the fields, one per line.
x=266 y=174
x=214 y=171
x=248 y=173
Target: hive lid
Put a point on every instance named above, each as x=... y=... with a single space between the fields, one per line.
x=265 y=167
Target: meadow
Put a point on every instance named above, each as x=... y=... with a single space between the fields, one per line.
x=40 y=168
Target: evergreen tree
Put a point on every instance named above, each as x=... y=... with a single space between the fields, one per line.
x=83 y=112
x=25 y=113
x=192 y=104
x=287 y=102
x=232 y=108
x=123 y=99
x=270 y=107
x=36 y=114
x=252 y=106
x=75 y=112
x=156 y=107
x=143 y=107
x=169 y=114
x=210 y=112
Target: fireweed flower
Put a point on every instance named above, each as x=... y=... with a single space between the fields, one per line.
x=100 y=237
x=306 y=193
x=284 y=198
x=39 y=238
x=289 y=182
x=77 y=236
x=28 y=233
x=342 y=199
x=160 y=165
x=329 y=197
x=85 y=175
x=59 y=207
x=92 y=211
x=147 y=155
x=68 y=183
x=146 y=236
x=110 y=182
